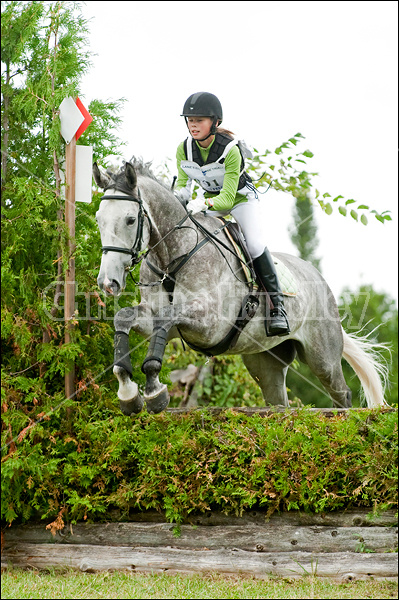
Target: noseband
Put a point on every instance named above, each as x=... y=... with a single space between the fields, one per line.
x=136 y=248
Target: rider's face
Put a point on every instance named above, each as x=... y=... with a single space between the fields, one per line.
x=199 y=127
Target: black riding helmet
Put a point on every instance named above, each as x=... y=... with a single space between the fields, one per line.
x=204 y=104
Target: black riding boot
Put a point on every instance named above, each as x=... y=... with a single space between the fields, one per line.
x=266 y=272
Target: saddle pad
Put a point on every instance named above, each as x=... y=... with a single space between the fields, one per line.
x=287 y=281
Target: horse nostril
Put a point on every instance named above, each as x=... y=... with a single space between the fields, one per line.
x=112 y=287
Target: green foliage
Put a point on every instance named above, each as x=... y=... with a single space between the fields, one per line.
x=282 y=170
x=45 y=52
x=180 y=464
x=227 y=382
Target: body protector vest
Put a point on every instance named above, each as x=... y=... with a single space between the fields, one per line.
x=210 y=175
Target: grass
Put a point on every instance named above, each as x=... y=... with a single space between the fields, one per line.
x=71 y=584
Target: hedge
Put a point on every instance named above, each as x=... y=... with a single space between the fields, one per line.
x=197 y=462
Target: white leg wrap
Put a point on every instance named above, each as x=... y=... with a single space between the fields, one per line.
x=127 y=389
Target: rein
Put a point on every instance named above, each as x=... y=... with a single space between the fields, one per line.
x=168 y=277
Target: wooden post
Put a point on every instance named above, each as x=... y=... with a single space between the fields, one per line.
x=69 y=300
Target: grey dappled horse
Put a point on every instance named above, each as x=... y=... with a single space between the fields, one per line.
x=203 y=297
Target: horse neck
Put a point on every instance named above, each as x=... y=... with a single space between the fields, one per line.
x=165 y=212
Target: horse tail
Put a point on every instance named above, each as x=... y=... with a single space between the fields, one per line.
x=365 y=359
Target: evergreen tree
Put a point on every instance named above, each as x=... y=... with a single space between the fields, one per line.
x=45 y=53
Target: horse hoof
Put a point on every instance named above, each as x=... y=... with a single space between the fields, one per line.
x=135 y=405
x=158 y=402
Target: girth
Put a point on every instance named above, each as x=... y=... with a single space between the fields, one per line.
x=248 y=309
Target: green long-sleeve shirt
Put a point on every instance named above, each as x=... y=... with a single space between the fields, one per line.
x=228 y=196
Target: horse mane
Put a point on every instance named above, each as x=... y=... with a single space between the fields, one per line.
x=117 y=178
x=144 y=169
x=141 y=167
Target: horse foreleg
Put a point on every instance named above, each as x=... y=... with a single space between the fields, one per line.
x=189 y=314
x=156 y=394
x=130 y=399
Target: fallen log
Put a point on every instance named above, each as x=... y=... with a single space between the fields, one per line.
x=252 y=538
x=344 y=566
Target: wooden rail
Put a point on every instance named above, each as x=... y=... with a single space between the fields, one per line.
x=345 y=546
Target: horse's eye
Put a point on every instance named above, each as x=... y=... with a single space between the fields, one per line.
x=130 y=220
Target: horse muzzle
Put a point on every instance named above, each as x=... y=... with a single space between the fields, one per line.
x=111 y=287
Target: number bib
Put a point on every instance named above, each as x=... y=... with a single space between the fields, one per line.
x=209 y=177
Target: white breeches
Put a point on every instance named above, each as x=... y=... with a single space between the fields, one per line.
x=249 y=217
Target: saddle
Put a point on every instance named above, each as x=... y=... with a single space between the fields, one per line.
x=236 y=237
x=287 y=281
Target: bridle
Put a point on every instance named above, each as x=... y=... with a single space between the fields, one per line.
x=135 y=250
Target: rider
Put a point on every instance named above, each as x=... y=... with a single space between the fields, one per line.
x=215 y=160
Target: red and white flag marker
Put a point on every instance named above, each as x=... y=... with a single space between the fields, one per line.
x=75 y=118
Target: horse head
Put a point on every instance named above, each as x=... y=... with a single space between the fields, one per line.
x=121 y=219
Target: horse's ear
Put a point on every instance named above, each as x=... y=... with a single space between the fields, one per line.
x=130 y=175
x=101 y=179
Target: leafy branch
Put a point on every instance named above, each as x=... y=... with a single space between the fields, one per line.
x=282 y=170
